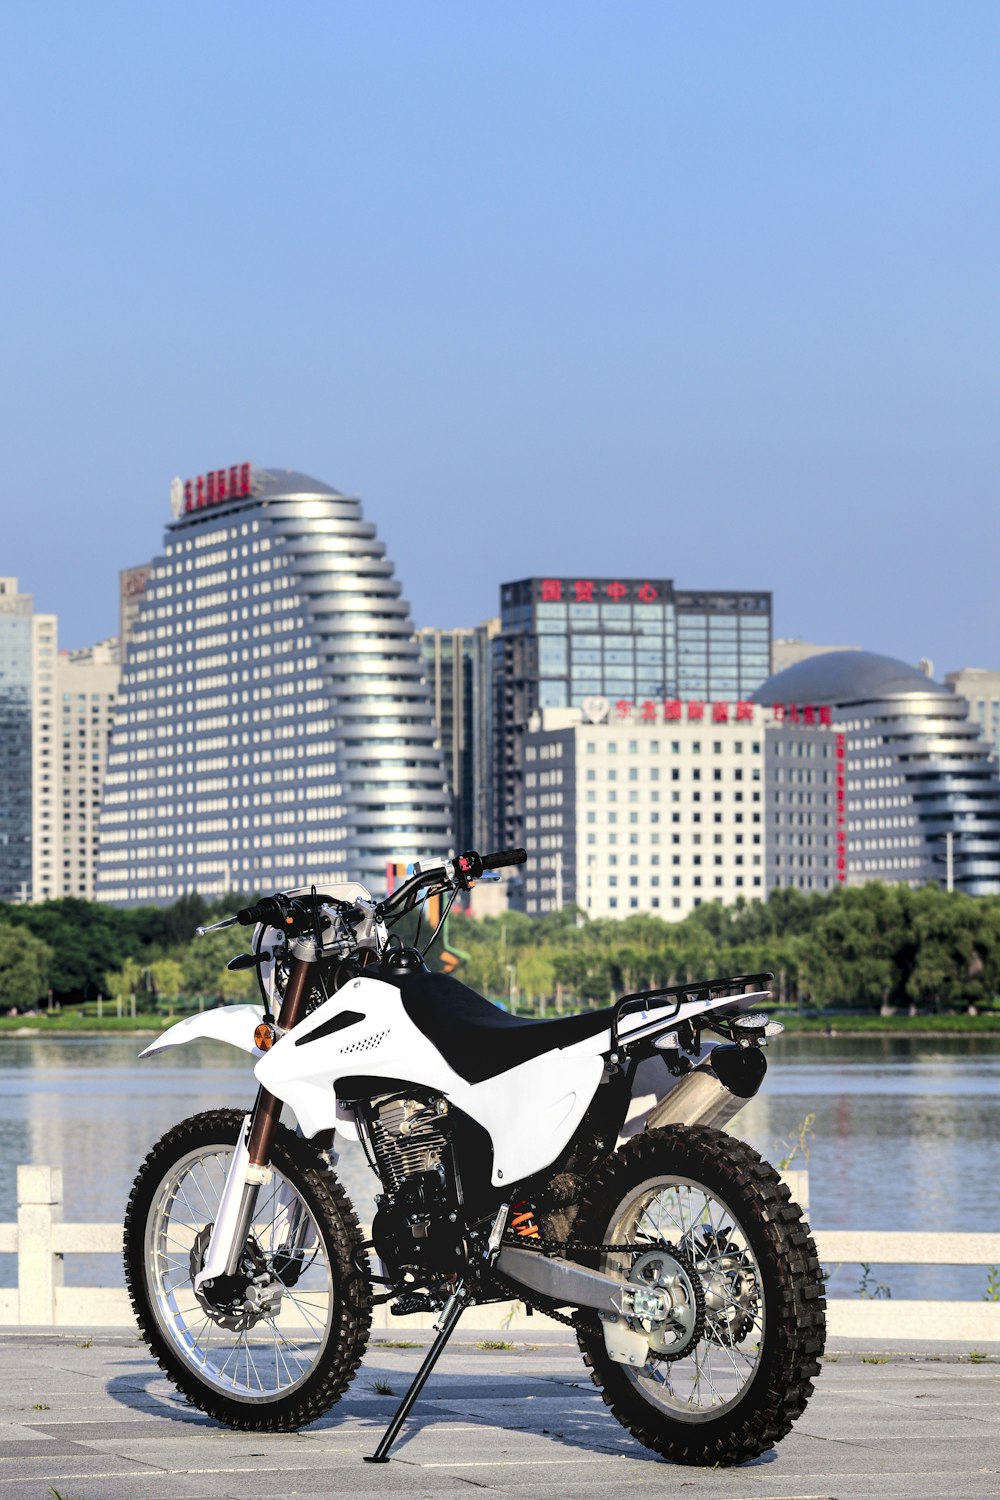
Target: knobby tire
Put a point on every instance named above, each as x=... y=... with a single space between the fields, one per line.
x=305 y=1166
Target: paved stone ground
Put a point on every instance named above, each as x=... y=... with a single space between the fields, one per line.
x=94 y=1420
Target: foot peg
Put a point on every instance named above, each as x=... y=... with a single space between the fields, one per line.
x=416 y=1302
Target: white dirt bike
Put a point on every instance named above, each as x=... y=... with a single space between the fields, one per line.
x=576 y=1164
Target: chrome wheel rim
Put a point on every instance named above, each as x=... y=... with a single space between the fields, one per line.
x=714 y=1375
x=269 y=1350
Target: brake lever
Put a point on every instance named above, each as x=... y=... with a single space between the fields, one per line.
x=215 y=926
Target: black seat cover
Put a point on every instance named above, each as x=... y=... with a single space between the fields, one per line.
x=476 y=1037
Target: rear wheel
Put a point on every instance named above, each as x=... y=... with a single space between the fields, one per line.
x=733 y=1384
x=275 y=1345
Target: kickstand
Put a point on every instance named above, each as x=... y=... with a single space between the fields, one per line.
x=453 y=1310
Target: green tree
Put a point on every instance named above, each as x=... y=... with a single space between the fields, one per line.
x=957 y=950
x=121 y=984
x=167 y=976
x=204 y=960
x=25 y=963
x=238 y=984
x=861 y=948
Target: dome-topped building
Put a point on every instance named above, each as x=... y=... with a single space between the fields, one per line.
x=846 y=677
x=912 y=767
x=273 y=727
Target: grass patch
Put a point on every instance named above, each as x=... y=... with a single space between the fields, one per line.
x=382 y=1388
x=847 y=1024
x=494 y=1344
x=976 y=1357
x=399 y=1343
x=875 y=1359
x=84 y=1343
x=69 y=1021
x=41 y=1406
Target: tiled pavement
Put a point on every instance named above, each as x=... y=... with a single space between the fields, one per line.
x=95 y=1420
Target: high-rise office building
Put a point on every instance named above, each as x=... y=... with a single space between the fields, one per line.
x=273 y=728
x=980 y=688
x=131 y=592
x=17 y=678
x=86 y=692
x=633 y=641
x=55 y=717
x=458 y=667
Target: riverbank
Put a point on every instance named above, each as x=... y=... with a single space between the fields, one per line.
x=846 y=1024
x=67 y=1023
x=837 y=1024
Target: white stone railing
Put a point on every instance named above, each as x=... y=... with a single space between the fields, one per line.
x=41 y=1240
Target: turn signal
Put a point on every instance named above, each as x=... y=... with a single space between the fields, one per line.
x=263 y=1037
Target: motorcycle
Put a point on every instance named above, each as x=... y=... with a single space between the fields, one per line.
x=577 y=1164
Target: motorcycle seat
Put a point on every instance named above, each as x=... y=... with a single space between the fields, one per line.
x=478 y=1039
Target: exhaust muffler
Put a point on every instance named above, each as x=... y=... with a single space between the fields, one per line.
x=714 y=1091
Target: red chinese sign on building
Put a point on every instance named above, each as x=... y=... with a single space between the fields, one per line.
x=698 y=711
x=840 y=750
x=597 y=591
x=802 y=713
x=220 y=484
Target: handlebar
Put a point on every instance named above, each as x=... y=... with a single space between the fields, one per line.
x=458 y=874
x=289 y=911
x=505 y=857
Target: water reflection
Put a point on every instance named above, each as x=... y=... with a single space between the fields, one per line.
x=906 y=1136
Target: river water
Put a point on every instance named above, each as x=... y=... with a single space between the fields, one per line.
x=906 y=1133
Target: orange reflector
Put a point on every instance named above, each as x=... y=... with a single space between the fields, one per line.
x=263 y=1037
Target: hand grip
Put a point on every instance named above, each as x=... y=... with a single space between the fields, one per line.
x=264 y=911
x=504 y=857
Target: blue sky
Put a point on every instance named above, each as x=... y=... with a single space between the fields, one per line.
x=704 y=291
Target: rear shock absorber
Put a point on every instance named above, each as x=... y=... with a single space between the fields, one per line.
x=523 y=1221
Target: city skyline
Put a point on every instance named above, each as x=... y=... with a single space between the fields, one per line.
x=792 y=635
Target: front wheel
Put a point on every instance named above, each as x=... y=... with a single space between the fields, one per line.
x=726 y=1373
x=272 y=1347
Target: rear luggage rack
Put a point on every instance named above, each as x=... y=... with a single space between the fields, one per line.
x=678 y=994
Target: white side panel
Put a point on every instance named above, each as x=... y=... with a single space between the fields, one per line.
x=529 y=1112
x=229 y=1023
x=385 y=1042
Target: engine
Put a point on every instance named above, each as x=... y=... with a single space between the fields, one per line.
x=410 y=1140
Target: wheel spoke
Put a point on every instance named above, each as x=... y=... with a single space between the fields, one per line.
x=238 y=1362
x=714 y=1372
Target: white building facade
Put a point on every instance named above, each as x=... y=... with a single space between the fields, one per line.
x=628 y=810
x=86 y=696
x=56 y=710
x=853 y=768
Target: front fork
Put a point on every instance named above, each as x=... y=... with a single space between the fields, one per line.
x=250 y=1168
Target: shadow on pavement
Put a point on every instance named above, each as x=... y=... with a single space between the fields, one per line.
x=567 y=1412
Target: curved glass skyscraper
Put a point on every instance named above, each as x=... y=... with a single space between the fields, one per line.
x=913 y=777
x=273 y=727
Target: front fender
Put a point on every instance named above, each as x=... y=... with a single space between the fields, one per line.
x=234 y=1024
